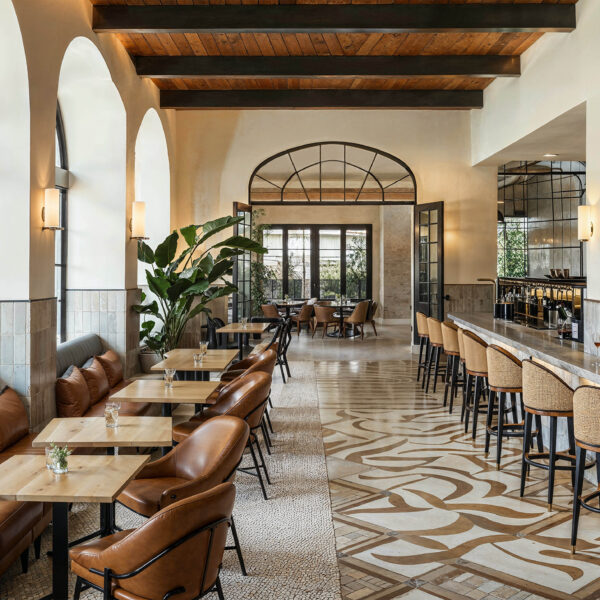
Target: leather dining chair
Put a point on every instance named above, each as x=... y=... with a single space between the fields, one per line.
x=358 y=318
x=324 y=316
x=270 y=311
x=206 y=458
x=246 y=399
x=176 y=553
x=304 y=316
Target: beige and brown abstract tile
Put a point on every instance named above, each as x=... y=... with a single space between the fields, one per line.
x=421 y=513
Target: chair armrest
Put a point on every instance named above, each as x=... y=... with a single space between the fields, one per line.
x=162 y=467
x=187 y=489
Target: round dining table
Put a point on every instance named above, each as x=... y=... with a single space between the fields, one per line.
x=289 y=305
x=340 y=308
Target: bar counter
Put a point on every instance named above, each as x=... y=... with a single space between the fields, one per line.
x=543 y=345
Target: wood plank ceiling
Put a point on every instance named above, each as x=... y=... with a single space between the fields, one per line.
x=356 y=76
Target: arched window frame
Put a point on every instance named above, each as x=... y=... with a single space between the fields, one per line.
x=297 y=173
x=61 y=182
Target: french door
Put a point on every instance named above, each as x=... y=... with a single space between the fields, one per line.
x=429 y=260
x=241 y=266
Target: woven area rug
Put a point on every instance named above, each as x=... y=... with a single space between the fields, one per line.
x=288 y=541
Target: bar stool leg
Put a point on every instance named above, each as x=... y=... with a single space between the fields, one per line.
x=432 y=355
x=478 y=394
x=448 y=379
x=420 y=365
x=526 y=443
x=488 y=421
x=552 y=460
x=572 y=446
x=579 y=471
x=540 y=437
x=500 y=431
x=438 y=351
x=454 y=380
x=466 y=414
x=426 y=365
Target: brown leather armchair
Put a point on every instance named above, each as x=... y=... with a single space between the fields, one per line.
x=270 y=311
x=265 y=361
x=324 y=316
x=358 y=318
x=177 y=553
x=205 y=459
x=304 y=316
x=246 y=398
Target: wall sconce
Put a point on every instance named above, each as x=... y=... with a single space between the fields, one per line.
x=137 y=225
x=585 y=226
x=51 y=209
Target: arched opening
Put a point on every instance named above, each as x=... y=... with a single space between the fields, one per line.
x=14 y=158
x=152 y=181
x=95 y=130
x=332 y=173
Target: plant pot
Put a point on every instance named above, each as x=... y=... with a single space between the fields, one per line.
x=147 y=360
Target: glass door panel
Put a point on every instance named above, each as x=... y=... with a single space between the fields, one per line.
x=356 y=263
x=273 y=264
x=429 y=259
x=241 y=301
x=299 y=263
x=330 y=259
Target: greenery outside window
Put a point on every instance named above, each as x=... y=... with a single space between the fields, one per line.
x=512 y=247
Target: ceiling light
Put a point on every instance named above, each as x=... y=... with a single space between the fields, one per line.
x=550 y=155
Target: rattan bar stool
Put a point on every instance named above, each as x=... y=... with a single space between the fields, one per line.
x=546 y=395
x=586 y=422
x=460 y=334
x=476 y=379
x=436 y=342
x=505 y=378
x=452 y=350
x=423 y=333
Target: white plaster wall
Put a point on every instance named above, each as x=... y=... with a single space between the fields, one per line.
x=48 y=27
x=218 y=150
x=14 y=159
x=559 y=72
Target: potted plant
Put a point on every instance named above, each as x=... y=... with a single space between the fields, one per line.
x=184 y=284
x=60 y=458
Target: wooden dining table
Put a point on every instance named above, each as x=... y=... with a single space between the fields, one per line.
x=240 y=331
x=90 y=479
x=339 y=306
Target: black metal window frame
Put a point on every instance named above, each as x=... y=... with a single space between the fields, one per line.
x=555 y=172
x=368 y=173
x=315 y=253
x=241 y=300
x=60 y=257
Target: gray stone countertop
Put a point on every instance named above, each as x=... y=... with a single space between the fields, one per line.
x=541 y=344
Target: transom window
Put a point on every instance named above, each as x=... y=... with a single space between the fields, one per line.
x=317 y=261
x=332 y=173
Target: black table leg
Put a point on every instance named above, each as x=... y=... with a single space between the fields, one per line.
x=60 y=552
x=166 y=412
x=240 y=337
x=205 y=376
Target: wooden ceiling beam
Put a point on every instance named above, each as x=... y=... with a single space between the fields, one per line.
x=327 y=98
x=347 y=18
x=325 y=66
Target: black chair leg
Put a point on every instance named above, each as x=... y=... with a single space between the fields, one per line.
x=453 y=382
x=257 y=467
x=552 y=460
x=476 y=396
x=265 y=436
x=540 y=437
x=268 y=418
x=238 y=548
x=37 y=546
x=571 y=445
x=526 y=443
x=287 y=366
x=447 y=379
x=78 y=588
x=425 y=366
x=282 y=372
x=262 y=459
x=219 y=589
x=466 y=410
x=25 y=560
x=430 y=362
x=579 y=472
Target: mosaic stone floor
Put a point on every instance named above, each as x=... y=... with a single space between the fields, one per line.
x=421 y=514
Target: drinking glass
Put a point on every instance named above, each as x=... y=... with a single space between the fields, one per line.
x=49 y=459
x=111 y=415
x=169 y=376
x=244 y=321
x=203 y=346
x=197 y=358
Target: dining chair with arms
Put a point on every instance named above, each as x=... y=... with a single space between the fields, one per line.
x=371 y=316
x=324 y=316
x=357 y=319
x=247 y=399
x=270 y=311
x=176 y=553
x=304 y=316
x=206 y=458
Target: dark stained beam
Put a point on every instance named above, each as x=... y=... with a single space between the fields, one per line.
x=325 y=66
x=245 y=99
x=347 y=18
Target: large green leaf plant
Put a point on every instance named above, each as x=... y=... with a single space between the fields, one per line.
x=184 y=285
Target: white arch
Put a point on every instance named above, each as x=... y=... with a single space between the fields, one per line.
x=14 y=159
x=95 y=129
x=153 y=181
